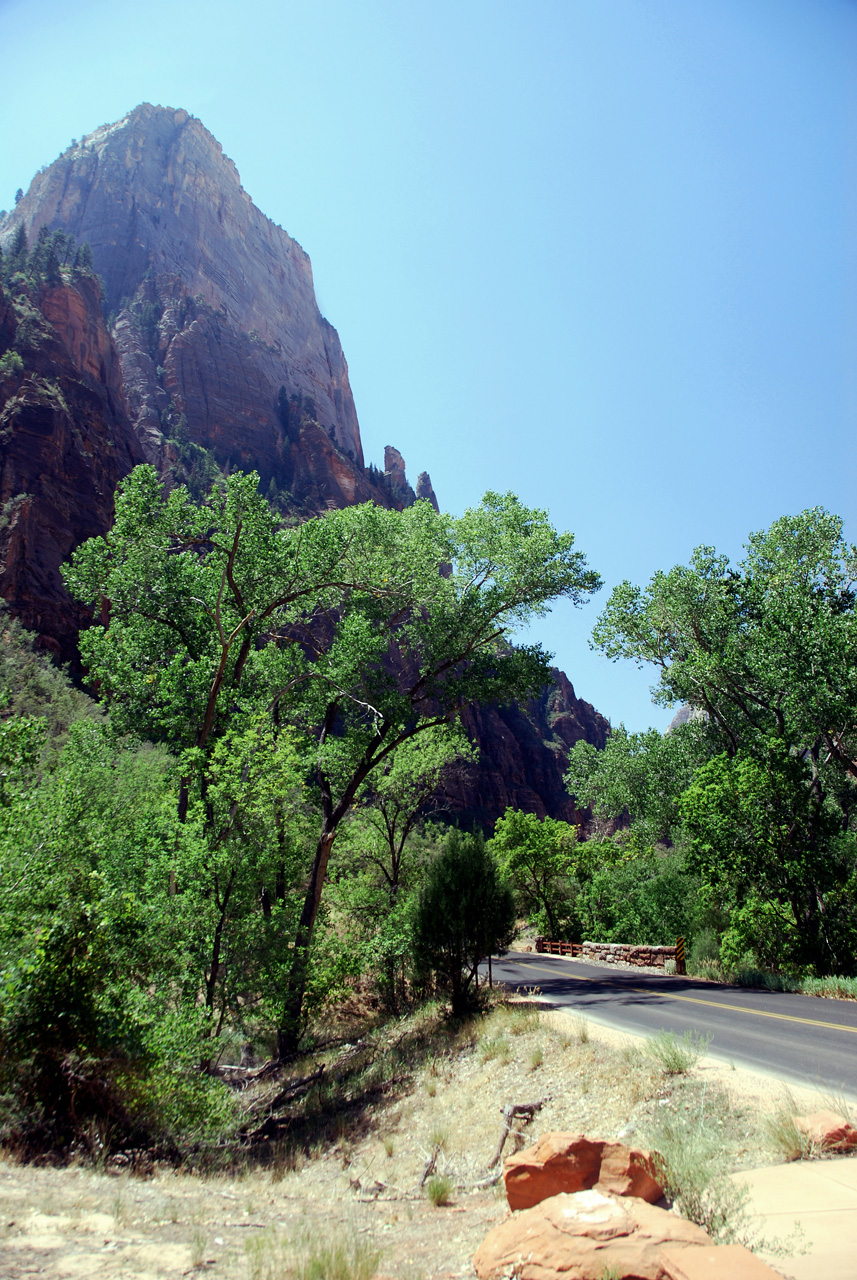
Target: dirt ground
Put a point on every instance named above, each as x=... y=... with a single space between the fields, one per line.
x=359 y=1193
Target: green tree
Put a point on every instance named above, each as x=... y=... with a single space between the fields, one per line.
x=640 y=774
x=766 y=652
x=365 y=629
x=738 y=643
x=465 y=914
x=777 y=856
x=537 y=857
x=398 y=794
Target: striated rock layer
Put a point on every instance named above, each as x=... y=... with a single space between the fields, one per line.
x=523 y=754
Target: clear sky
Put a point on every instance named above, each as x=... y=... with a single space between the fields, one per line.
x=600 y=252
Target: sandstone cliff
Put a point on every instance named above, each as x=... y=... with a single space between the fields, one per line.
x=65 y=442
x=523 y=754
x=212 y=306
x=217 y=356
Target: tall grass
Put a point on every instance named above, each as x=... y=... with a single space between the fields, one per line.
x=271 y=1256
x=835 y=988
x=675 y=1055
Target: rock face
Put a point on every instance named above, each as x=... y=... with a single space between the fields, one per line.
x=583 y=1235
x=213 y=304
x=395 y=477
x=569 y=1162
x=524 y=754
x=425 y=490
x=65 y=442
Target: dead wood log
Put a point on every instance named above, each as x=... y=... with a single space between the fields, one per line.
x=268 y=1105
x=429 y=1167
x=522 y=1111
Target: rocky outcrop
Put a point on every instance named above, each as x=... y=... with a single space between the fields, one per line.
x=395 y=477
x=827 y=1131
x=568 y=1162
x=213 y=305
x=524 y=754
x=65 y=442
x=217 y=357
x=588 y=1235
x=425 y=490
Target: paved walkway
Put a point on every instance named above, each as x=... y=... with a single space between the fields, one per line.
x=821 y=1195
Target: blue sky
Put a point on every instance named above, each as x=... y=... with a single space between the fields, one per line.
x=601 y=253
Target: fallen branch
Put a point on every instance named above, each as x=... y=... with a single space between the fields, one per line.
x=430 y=1167
x=523 y=1111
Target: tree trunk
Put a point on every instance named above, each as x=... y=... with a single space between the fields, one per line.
x=291 y=1026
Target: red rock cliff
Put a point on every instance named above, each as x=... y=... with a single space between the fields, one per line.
x=213 y=307
x=65 y=442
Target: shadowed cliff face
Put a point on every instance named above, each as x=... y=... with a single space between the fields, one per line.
x=213 y=307
x=65 y=443
x=523 y=754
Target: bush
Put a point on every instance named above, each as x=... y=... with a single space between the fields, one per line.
x=674 y=1056
x=465 y=913
x=439 y=1189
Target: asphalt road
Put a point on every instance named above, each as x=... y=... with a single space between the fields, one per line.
x=802 y=1039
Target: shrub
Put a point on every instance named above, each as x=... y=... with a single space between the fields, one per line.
x=439 y=1189
x=675 y=1056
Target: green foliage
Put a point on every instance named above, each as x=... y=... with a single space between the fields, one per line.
x=216 y=612
x=439 y=1189
x=11 y=364
x=760 y=790
x=641 y=774
x=538 y=857
x=638 y=895
x=762 y=838
x=99 y=993
x=53 y=260
x=465 y=913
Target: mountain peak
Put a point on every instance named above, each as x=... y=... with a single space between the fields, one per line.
x=200 y=284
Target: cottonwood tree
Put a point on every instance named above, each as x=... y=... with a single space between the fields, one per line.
x=363 y=629
x=767 y=652
x=409 y=782
x=537 y=856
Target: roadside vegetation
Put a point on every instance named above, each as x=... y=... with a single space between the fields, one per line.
x=235 y=836
x=740 y=822
x=247 y=830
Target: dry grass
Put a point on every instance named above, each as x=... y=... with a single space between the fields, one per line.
x=349 y=1162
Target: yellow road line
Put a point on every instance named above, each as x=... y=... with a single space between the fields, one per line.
x=715 y=1004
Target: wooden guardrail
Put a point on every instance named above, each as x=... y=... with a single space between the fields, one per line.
x=559 y=948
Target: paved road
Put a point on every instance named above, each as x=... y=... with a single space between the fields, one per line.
x=799 y=1038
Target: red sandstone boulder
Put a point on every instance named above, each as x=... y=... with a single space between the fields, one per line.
x=570 y=1162
x=580 y=1236
x=828 y=1130
x=710 y=1262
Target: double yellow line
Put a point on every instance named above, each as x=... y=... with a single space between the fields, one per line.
x=710 y=1004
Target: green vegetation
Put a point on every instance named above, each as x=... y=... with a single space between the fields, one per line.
x=676 y=1055
x=25 y=274
x=746 y=813
x=171 y=898
x=464 y=914
x=439 y=1189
